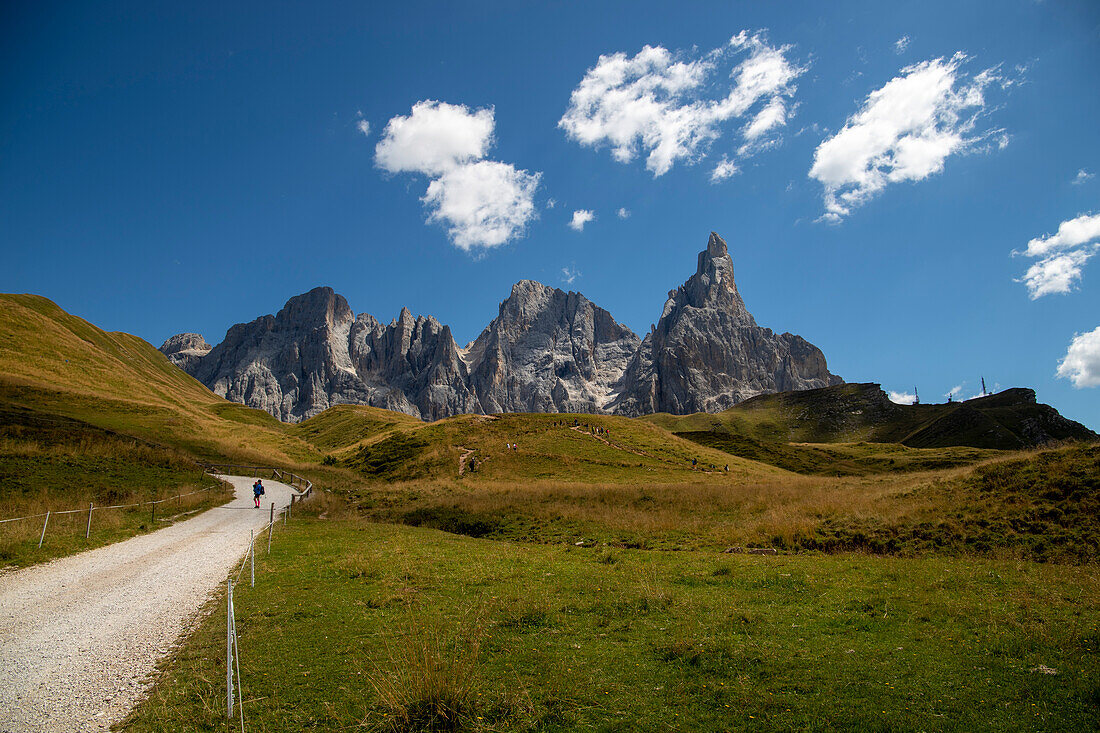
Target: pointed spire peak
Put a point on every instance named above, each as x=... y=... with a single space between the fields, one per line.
x=716 y=246
x=404 y=318
x=716 y=250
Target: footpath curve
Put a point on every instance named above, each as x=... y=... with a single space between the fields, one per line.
x=80 y=636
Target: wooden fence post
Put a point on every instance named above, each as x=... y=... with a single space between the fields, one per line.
x=88 y=530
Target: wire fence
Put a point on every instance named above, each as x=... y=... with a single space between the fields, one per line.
x=302 y=485
x=233 y=681
x=92 y=508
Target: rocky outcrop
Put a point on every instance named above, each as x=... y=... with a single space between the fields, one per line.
x=185 y=350
x=706 y=353
x=546 y=351
x=549 y=351
x=315 y=353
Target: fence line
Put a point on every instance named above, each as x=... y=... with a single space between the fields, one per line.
x=112 y=506
x=276 y=473
x=232 y=640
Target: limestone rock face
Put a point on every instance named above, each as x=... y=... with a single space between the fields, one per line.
x=549 y=351
x=706 y=353
x=315 y=353
x=185 y=349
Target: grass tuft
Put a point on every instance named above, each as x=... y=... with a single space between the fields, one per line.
x=428 y=680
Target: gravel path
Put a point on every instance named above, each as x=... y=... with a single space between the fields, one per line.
x=80 y=636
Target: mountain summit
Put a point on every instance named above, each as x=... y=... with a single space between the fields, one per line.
x=707 y=353
x=546 y=351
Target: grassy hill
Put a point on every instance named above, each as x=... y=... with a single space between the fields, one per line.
x=53 y=363
x=850 y=413
x=854 y=429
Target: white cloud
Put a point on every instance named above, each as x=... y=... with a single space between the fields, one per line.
x=901 y=45
x=1055 y=274
x=580 y=218
x=724 y=169
x=1061 y=256
x=624 y=213
x=955 y=392
x=569 y=274
x=1081 y=363
x=904 y=132
x=481 y=203
x=667 y=106
x=772 y=116
x=551 y=203
x=1085 y=228
x=1082 y=176
x=902 y=398
x=363 y=126
x=435 y=138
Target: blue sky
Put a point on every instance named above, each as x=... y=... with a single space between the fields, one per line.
x=184 y=167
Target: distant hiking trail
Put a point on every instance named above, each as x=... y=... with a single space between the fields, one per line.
x=466 y=453
x=583 y=431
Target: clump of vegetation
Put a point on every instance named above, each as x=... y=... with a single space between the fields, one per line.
x=452 y=519
x=428 y=677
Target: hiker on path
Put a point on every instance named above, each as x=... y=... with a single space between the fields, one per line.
x=257 y=492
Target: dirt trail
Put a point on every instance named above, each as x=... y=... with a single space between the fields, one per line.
x=602 y=439
x=462 y=459
x=80 y=636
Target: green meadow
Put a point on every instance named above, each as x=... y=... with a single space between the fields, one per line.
x=358 y=625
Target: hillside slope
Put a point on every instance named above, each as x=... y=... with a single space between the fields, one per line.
x=53 y=363
x=1009 y=420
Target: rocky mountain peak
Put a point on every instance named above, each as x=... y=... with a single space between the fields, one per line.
x=185 y=349
x=185 y=342
x=706 y=353
x=322 y=305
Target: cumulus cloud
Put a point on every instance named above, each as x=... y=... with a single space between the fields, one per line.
x=434 y=139
x=902 y=398
x=551 y=203
x=1082 y=176
x=580 y=218
x=363 y=126
x=1061 y=256
x=901 y=45
x=671 y=107
x=955 y=392
x=569 y=274
x=481 y=203
x=1085 y=228
x=1081 y=364
x=624 y=213
x=1055 y=274
x=904 y=131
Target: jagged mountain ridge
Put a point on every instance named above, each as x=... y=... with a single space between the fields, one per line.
x=546 y=351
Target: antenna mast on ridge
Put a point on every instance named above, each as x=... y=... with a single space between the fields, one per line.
x=984 y=393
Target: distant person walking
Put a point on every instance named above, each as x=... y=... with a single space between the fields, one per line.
x=257 y=492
